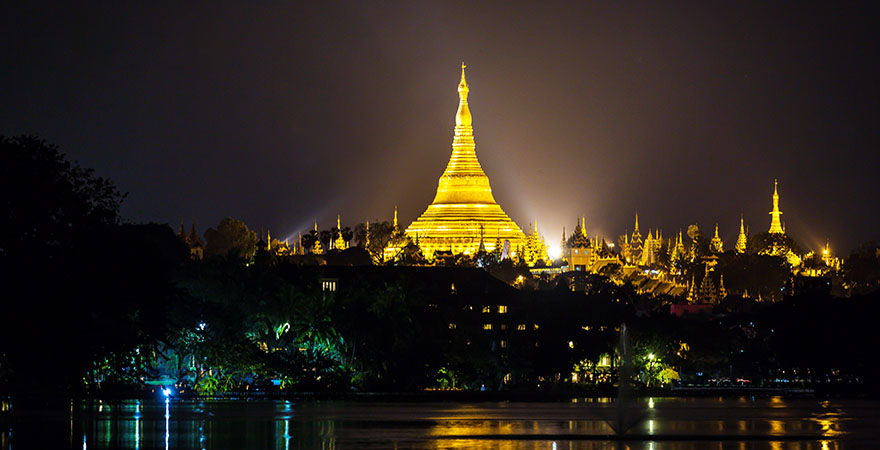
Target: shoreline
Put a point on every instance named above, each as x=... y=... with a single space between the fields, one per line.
x=466 y=396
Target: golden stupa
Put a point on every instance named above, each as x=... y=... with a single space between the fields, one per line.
x=464 y=214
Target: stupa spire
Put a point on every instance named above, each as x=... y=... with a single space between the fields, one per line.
x=463 y=115
x=775 y=223
x=741 y=241
x=717 y=244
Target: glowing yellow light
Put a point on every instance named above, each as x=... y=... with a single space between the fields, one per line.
x=554 y=252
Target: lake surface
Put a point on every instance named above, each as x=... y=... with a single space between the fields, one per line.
x=659 y=423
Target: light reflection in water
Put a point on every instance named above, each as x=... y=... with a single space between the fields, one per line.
x=167 y=418
x=776 y=427
x=137 y=425
x=332 y=424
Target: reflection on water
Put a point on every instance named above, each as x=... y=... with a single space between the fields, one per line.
x=668 y=423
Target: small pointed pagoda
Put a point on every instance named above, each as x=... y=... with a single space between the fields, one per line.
x=776 y=226
x=741 y=240
x=464 y=204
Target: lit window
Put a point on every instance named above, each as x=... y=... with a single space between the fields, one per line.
x=487 y=326
x=487 y=309
x=503 y=343
x=502 y=309
x=452 y=288
x=575 y=252
x=521 y=327
x=536 y=326
x=570 y=344
x=328 y=285
x=452 y=326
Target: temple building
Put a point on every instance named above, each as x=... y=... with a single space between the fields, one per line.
x=192 y=240
x=464 y=209
x=578 y=248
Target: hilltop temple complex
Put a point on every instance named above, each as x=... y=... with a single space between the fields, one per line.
x=464 y=215
x=465 y=225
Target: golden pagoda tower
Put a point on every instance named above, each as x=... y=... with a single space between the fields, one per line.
x=717 y=244
x=635 y=243
x=339 y=243
x=317 y=249
x=464 y=204
x=678 y=252
x=741 y=241
x=535 y=247
x=775 y=223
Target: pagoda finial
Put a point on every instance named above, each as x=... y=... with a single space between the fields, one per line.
x=338 y=226
x=636 y=229
x=395 y=216
x=463 y=115
x=463 y=81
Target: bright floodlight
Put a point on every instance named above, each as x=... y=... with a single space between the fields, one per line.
x=554 y=252
x=166 y=392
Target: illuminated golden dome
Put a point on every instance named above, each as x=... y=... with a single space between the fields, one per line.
x=464 y=211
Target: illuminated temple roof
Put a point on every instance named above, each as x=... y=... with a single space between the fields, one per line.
x=464 y=210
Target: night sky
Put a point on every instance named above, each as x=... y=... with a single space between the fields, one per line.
x=283 y=113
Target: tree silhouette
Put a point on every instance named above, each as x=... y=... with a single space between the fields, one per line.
x=232 y=239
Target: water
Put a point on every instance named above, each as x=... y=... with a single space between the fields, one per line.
x=669 y=423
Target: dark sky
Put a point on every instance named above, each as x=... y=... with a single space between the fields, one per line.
x=283 y=113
